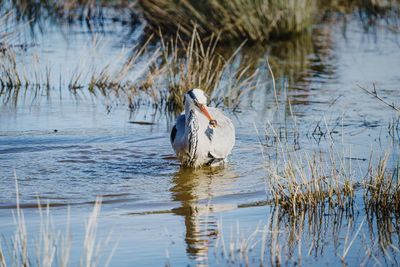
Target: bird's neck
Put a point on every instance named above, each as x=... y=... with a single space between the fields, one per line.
x=190 y=113
x=192 y=122
x=192 y=129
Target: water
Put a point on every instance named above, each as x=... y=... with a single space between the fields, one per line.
x=67 y=149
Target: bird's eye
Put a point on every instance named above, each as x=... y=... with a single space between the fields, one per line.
x=191 y=94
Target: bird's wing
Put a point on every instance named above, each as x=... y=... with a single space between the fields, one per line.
x=222 y=136
x=178 y=131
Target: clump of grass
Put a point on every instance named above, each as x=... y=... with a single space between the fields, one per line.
x=9 y=75
x=237 y=19
x=298 y=181
x=382 y=188
x=308 y=182
x=190 y=65
x=198 y=64
x=16 y=78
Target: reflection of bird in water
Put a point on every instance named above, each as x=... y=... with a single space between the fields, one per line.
x=194 y=189
x=202 y=135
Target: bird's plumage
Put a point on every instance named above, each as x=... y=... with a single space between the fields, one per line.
x=197 y=141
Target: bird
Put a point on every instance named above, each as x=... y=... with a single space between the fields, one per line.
x=202 y=135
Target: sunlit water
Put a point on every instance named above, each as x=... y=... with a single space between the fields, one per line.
x=68 y=149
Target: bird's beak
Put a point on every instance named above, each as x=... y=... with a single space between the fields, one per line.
x=204 y=110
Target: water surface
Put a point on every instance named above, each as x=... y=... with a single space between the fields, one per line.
x=68 y=148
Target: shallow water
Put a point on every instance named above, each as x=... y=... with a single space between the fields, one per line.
x=67 y=149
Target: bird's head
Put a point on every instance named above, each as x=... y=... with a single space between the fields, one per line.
x=198 y=98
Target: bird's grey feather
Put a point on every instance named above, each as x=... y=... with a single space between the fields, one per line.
x=192 y=128
x=223 y=138
x=196 y=143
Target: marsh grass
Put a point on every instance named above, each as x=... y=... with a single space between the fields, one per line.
x=10 y=76
x=198 y=64
x=308 y=188
x=192 y=64
x=16 y=79
x=238 y=19
x=164 y=72
x=121 y=75
x=51 y=247
x=259 y=20
x=314 y=215
x=394 y=129
x=298 y=181
x=382 y=188
x=302 y=182
x=5 y=32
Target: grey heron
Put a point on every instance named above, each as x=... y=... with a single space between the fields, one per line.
x=202 y=135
